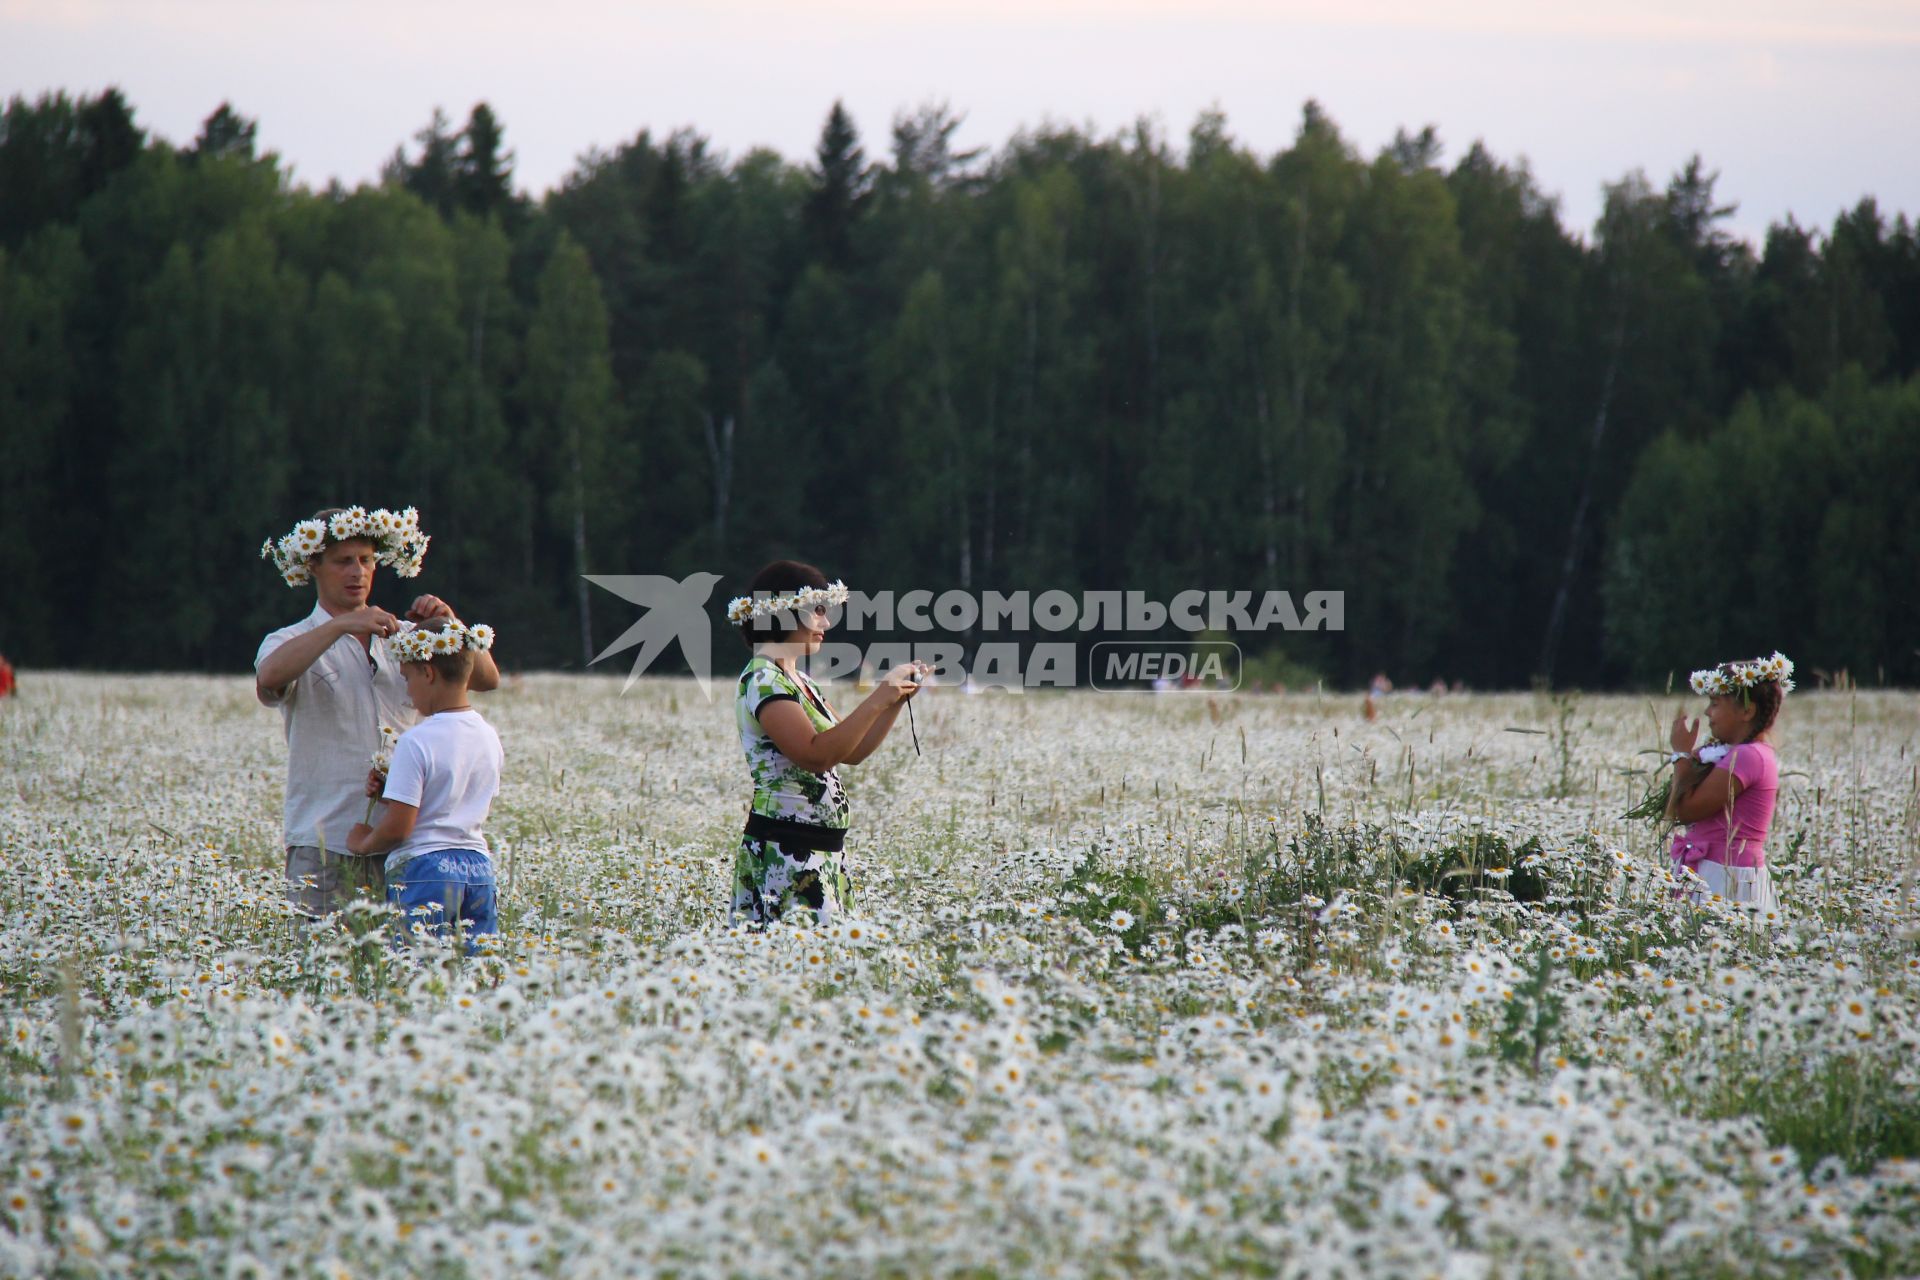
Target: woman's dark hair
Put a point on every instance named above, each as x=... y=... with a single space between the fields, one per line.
x=780 y=578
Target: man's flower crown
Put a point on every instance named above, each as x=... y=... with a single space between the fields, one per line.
x=397 y=541
x=743 y=608
x=422 y=645
x=1737 y=677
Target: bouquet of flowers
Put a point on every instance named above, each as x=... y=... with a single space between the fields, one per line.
x=1653 y=803
x=382 y=760
x=396 y=537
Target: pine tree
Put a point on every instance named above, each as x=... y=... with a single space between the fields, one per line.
x=841 y=189
x=482 y=181
x=224 y=134
x=434 y=175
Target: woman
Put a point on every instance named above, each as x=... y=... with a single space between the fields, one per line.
x=792 y=850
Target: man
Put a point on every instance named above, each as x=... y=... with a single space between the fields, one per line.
x=334 y=683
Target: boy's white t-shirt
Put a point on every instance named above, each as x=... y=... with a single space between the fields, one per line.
x=448 y=766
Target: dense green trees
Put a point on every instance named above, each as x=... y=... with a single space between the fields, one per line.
x=1079 y=362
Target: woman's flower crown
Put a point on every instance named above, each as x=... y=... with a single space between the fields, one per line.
x=743 y=608
x=397 y=541
x=1736 y=677
x=422 y=645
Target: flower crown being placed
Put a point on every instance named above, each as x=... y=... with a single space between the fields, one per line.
x=421 y=645
x=1738 y=677
x=742 y=608
x=397 y=541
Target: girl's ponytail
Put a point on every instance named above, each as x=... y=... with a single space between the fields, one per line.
x=1766 y=698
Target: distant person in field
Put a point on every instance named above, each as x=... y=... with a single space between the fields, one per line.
x=439 y=789
x=335 y=684
x=792 y=849
x=1724 y=789
x=1377 y=688
x=6 y=677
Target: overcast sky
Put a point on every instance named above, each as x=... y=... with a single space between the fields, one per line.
x=1802 y=107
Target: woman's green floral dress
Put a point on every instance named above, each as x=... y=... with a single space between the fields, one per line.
x=769 y=874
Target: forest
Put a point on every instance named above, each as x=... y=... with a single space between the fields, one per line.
x=1527 y=453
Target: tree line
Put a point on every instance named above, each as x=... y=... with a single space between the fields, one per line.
x=1524 y=451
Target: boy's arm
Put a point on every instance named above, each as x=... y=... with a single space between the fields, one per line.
x=406 y=787
x=395 y=825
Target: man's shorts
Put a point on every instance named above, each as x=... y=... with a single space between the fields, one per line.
x=320 y=883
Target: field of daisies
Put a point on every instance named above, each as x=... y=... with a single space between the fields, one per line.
x=1139 y=985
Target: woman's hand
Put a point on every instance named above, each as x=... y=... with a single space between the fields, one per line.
x=903 y=681
x=1684 y=733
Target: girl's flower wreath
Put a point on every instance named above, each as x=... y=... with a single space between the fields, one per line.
x=396 y=537
x=1738 y=677
x=422 y=645
x=742 y=608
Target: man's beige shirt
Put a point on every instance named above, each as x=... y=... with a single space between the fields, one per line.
x=332 y=715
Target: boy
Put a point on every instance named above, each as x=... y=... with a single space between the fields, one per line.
x=444 y=775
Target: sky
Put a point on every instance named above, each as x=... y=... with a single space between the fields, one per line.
x=1801 y=108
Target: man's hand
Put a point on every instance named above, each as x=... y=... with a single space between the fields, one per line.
x=357 y=838
x=427 y=608
x=376 y=784
x=367 y=620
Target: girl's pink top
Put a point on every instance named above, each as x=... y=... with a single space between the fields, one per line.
x=1757 y=768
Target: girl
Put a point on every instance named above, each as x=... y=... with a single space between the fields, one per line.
x=792 y=847
x=1725 y=791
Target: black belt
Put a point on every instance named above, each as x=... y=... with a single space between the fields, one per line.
x=798 y=835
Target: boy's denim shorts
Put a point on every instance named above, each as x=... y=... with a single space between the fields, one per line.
x=455 y=885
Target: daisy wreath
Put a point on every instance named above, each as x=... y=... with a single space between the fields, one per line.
x=396 y=537
x=742 y=608
x=422 y=645
x=1738 y=677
